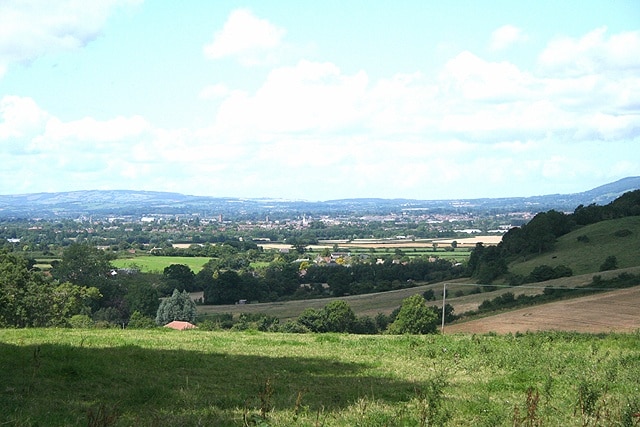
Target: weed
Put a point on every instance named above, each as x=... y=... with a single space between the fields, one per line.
x=297 y=405
x=631 y=414
x=265 y=395
x=531 y=418
x=102 y=416
x=429 y=401
x=591 y=404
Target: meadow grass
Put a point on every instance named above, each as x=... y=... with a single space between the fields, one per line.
x=152 y=263
x=163 y=377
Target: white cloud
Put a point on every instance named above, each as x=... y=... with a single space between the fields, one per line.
x=593 y=53
x=506 y=36
x=21 y=117
x=312 y=130
x=29 y=29
x=476 y=79
x=246 y=37
x=309 y=96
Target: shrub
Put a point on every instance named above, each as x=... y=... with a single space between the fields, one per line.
x=623 y=233
x=139 y=321
x=611 y=263
x=80 y=321
x=414 y=317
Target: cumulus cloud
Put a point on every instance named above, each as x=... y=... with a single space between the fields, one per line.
x=506 y=36
x=308 y=96
x=245 y=37
x=29 y=29
x=595 y=52
x=21 y=117
x=337 y=133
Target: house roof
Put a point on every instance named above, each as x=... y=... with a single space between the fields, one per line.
x=179 y=325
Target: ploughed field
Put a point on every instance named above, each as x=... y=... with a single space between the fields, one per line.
x=612 y=311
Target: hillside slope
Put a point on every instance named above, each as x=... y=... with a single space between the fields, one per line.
x=613 y=311
x=619 y=238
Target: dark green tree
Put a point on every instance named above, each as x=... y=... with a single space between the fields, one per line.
x=85 y=265
x=27 y=299
x=178 y=276
x=338 y=317
x=142 y=297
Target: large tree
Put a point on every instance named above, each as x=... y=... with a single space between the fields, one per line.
x=28 y=299
x=178 y=276
x=179 y=306
x=414 y=317
x=85 y=265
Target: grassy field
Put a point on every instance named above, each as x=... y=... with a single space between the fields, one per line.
x=162 y=377
x=151 y=263
x=586 y=255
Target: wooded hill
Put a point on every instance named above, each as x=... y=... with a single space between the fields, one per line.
x=541 y=235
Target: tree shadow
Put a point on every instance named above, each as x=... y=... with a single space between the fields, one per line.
x=60 y=384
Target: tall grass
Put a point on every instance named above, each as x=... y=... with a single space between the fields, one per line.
x=163 y=377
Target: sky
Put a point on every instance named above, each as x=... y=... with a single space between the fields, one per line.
x=317 y=100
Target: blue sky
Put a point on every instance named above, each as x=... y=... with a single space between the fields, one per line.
x=319 y=100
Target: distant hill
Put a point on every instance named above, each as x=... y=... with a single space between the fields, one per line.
x=128 y=202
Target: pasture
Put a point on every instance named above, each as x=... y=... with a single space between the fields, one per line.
x=152 y=263
x=163 y=377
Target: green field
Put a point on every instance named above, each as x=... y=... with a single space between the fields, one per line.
x=151 y=263
x=162 y=377
x=620 y=238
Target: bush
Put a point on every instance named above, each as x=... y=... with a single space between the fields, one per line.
x=294 y=327
x=139 y=321
x=80 y=321
x=623 y=233
x=364 y=325
x=611 y=263
x=414 y=317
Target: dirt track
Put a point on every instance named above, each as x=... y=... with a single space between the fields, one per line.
x=613 y=311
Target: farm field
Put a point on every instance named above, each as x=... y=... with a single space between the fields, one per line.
x=162 y=377
x=152 y=263
x=392 y=244
x=612 y=311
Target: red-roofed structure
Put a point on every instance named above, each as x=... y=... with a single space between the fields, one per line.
x=179 y=325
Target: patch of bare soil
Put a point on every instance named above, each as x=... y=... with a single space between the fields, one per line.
x=613 y=311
